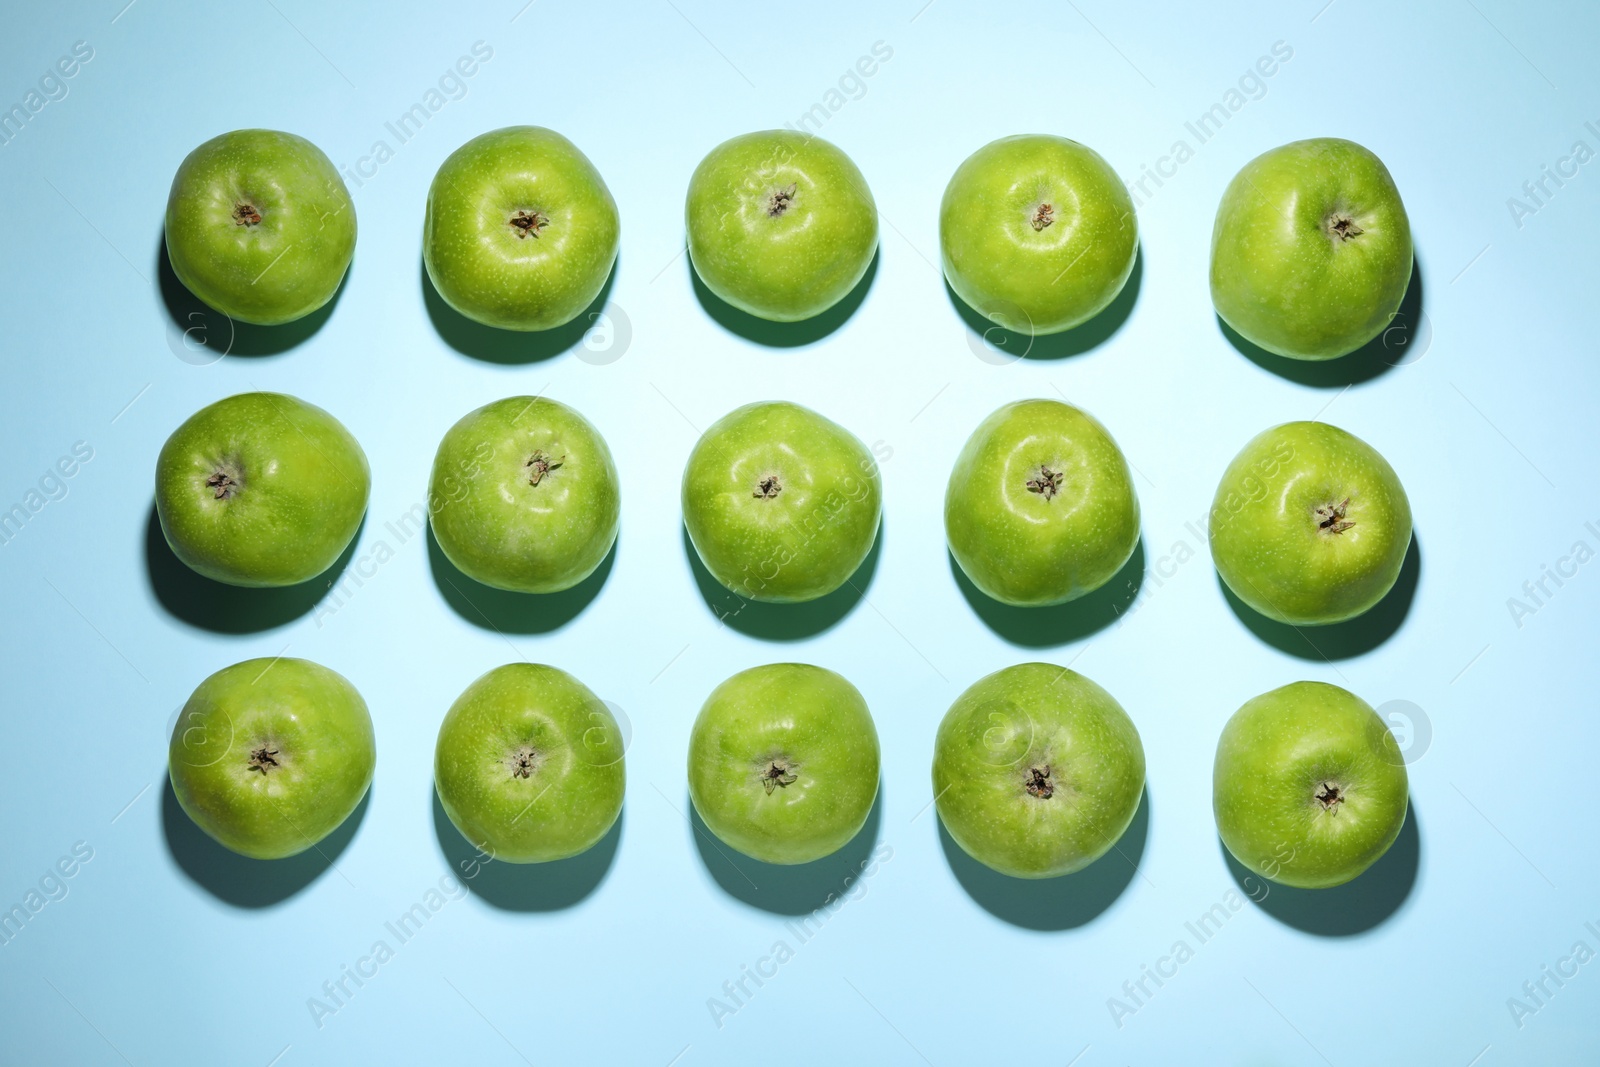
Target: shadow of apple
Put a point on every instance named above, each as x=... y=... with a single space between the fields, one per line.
x=240 y=880
x=784 y=889
x=525 y=886
x=1063 y=903
x=1359 y=905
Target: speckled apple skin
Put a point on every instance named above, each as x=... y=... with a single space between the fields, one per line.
x=1273 y=759
x=1274 y=550
x=499 y=526
x=1019 y=546
x=789 y=266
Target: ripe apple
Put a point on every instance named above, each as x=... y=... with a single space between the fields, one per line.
x=1309 y=786
x=260 y=226
x=781 y=224
x=781 y=504
x=783 y=762
x=261 y=489
x=1309 y=525
x=1037 y=224
x=520 y=231
x=529 y=764
x=269 y=756
x=1040 y=508
x=1037 y=771
x=524 y=496
x=1311 y=252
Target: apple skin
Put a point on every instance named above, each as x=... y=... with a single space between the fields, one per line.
x=294 y=487
x=520 y=231
x=1286 y=558
x=260 y=226
x=1002 y=251
x=1027 y=547
x=529 y=764
x=776 y=257
x=1311 y=251
x=783 y=762
x=524 y=496
x=781 y=504
x=1037 y=771
x=269 y=756
x=1309 y=786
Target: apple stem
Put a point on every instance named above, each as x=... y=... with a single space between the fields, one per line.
x=777 y=774
x=1047 y=483
x=768 y=487
x=224 y=482
x=528 y=223
x=523 y=762
x=540 y=464
x=1330 y=517
x=1343 y=228
x=779 y=201
x=1039 y=783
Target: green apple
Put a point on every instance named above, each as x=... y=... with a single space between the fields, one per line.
x=1040 y=508
x=1311 y=251
x=524 y=496
x=1309 y=525
x=783 y=762
x=1040 y=225
x=260 y=226
x=1037 y=771
x=781 y=224
x=261 y=489
x=269 y=756
x=1309 y=786
x=529 y=764
x=521 y=231
x=781 y=504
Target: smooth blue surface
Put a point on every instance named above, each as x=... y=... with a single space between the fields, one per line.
x=164 y=950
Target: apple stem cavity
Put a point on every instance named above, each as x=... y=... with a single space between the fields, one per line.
x=768 y=487
x=1341 y=227
x=523 y=762
x=1043 y=215
x=224 y=482
x=1330 y=517
x=1330 y=796
x=1039 y=784
x=777 y=773
x=262 y=758
x=780 y=201
x=540 y=464
x=1047 y=483
x=246 y=214
x=528 y=223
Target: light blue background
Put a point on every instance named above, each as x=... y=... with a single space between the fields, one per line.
x=167 y=951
